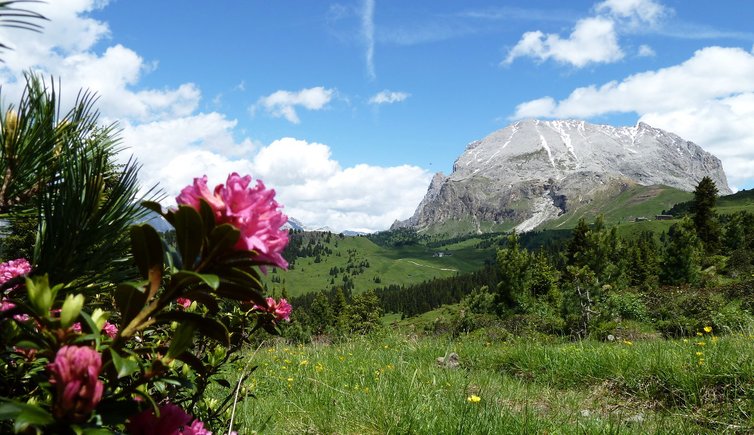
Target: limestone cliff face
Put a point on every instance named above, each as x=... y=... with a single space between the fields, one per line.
x=532 y=171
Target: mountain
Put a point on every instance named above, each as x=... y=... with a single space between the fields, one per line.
x=293 y=224
x=534 y=171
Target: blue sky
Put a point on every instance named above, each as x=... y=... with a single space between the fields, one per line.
x=348 y=108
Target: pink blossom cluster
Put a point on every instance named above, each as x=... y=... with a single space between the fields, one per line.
x=281 y=309
x=75 y=374
x=13 y=268
x=253 y=210
x=172 y=421
x=108 y=328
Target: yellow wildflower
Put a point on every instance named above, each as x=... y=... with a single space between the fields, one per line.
x=473 y=399
x=701 y=343
x=707 y=329
x=628 y=343
x=699 y=353
x=699 y=334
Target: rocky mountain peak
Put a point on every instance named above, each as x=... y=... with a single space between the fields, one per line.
x=534 y=169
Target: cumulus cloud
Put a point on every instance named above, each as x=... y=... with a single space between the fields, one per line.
x=318 y=191
x=310 y=183
x=708 y=99
x=283 y=103
x=388 y=97
x=65 y=49
x=593 y=39
x=174 y=143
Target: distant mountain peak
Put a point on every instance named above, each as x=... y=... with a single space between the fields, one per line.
x=533 y=170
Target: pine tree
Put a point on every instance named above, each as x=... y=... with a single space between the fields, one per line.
x=578 y=245
x=321 y=315
x=705 y=218
x=643 y=261
x=681 y=259
x=363 y=314
x=513 y=262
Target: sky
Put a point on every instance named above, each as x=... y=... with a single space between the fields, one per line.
x=348 y=108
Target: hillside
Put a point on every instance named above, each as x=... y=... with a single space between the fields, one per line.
x=321 y=261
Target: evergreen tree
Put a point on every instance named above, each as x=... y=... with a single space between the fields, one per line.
x=363 y=314
x=578 y=245
x=681 y=259
x=60 y=176
x=643 y=262
x=321 y=317
x=735 y=236
x=513 y=262
x=705 y=219
x=339 y=306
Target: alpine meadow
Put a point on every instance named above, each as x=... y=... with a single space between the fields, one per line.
x=365 y=217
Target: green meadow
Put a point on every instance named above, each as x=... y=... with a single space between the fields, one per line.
x=391 y=383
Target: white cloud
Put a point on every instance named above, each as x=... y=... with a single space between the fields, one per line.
x=367 y=30
x=65 y=49
x=638 y=12
x=708 y=99
x=388 y=97
x=593 y=40
x=646 y=51
x=283 y=103
x=173 y=143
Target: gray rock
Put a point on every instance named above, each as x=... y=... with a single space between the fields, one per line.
x=450 y=361
x=532 y=171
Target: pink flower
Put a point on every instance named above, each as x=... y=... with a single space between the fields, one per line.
x=184 y=302
x=5 y=305
x=110 y=329
x=172 y=421
x=281 y=309
x=76 y=327
x=13 y=268
x=253 y=210
x=75 y=373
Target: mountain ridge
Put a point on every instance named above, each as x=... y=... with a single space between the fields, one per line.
x=533 y=171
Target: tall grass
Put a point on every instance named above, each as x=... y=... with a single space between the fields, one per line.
x=392 y=384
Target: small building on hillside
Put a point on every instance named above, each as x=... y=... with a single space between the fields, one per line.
x=664 y=217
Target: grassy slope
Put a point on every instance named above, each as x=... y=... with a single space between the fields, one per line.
x=391 y=383
x=412 y=264
x=636 y=201
x=402 y=265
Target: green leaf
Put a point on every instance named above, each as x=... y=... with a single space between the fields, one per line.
x=71 y=309
x=146 y=247
x=208 y=216
x=192 y=361
x=130 y=301
x=41 y=295
x=154 y=206
x=186 y=278
x=189 y=234
x=24 y=414
x=221 y=239
x=222 y=382
x=123 y=366
x=182 y=338
x=95 y=335
x=208 y=326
